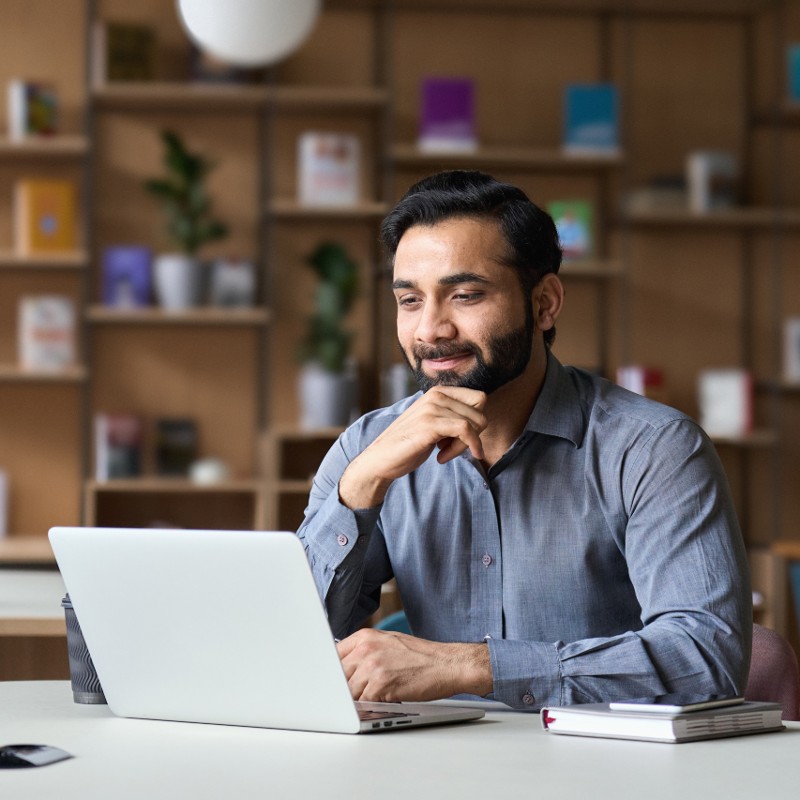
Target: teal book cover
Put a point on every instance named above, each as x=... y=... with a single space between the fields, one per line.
x=793 y=72
x=591 y=118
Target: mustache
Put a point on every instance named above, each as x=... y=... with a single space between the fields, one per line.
x=423 y=352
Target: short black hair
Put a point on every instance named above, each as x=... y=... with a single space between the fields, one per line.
x=530 y=232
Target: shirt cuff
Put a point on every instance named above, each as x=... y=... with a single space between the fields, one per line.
x=336 y=529
x=526 y=675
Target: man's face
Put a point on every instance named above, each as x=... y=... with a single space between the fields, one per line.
x=462 y=317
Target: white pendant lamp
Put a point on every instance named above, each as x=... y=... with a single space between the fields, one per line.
x=248 y=33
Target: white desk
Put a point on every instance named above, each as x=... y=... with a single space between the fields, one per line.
x=505 y=755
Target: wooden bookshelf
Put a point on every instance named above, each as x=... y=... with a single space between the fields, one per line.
x=11 y=373
x=733 y=218
x=211 y=97
x=77 y=260
x=106 y=315
x=522 y=158
x=150 y=501
x=60 y=146
x=289 y=210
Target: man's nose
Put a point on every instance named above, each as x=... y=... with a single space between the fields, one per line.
x=434 y=324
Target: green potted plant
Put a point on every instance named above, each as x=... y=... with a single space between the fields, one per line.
x=327 y=383
x=190 y=222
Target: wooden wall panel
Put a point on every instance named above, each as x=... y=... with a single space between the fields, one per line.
x=685 y=93
x=42 y=452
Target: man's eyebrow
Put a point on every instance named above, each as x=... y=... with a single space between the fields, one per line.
x=447 y=280
x=462 y=277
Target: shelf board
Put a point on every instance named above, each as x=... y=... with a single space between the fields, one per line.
x=206 y=315
x=156 y=485
x=12 y=373
x=59 y=146
x=552 y=159
x=178 y=96
x=735 y=218
x=757 y=438
x=311 y=98
x=787 y=548
x=782 y=386
x=18 y=550
x=292 y=210
x=215 y=97
x=76 y=260
x=656 y=8
x=291 y=433
x=601 y=269
x=293 y=486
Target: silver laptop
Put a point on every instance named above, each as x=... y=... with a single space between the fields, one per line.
x=221 y=627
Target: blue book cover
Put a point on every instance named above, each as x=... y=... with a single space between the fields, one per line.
x=127 y=276
x=591 y=118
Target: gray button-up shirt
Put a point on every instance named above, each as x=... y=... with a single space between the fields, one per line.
x=600 y=557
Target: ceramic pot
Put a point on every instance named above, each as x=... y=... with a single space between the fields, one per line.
x=327 y=399
x=177 y=281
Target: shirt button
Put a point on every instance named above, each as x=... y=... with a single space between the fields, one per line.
x=528 y=699
x=486 y=560
x=341 y=539
x=485 y=485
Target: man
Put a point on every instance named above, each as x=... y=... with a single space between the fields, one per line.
x=555 y=539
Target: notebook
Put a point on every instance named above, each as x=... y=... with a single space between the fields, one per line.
x=218 y=627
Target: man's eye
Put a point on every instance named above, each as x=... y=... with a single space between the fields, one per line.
x=466 y=297
x=407 y=301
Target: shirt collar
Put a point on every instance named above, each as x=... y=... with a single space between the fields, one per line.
x=559 y=409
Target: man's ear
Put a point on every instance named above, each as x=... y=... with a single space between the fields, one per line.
x=548 y=298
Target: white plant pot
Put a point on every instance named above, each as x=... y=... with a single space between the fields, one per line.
x=177 y=280
x=327 y=399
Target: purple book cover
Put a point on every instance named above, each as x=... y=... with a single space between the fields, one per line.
x=448 y=114
x=127 y=276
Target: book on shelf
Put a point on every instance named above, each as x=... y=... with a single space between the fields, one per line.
x=646 y=381
x=791 y=350
x=4 y=503
x=46 y=335
x=654 y=724
x=118 y=446
x=32 y=109
x=329 y=166
x=591 y=119
x=123 y=52
x=574 y=223
x=176 y=446
x=726 y=402
x=660 y=193
x=127 y=276
x=45 y=213
x=447 y=115
x=793 y=72
x=711 y=178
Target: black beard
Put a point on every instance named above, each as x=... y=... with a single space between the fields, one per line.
x=509 y=355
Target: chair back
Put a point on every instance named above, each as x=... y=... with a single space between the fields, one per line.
x=774 y=674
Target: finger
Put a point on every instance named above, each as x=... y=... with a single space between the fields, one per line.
x=469 y=397
x=446 y=403
x=457 y=435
